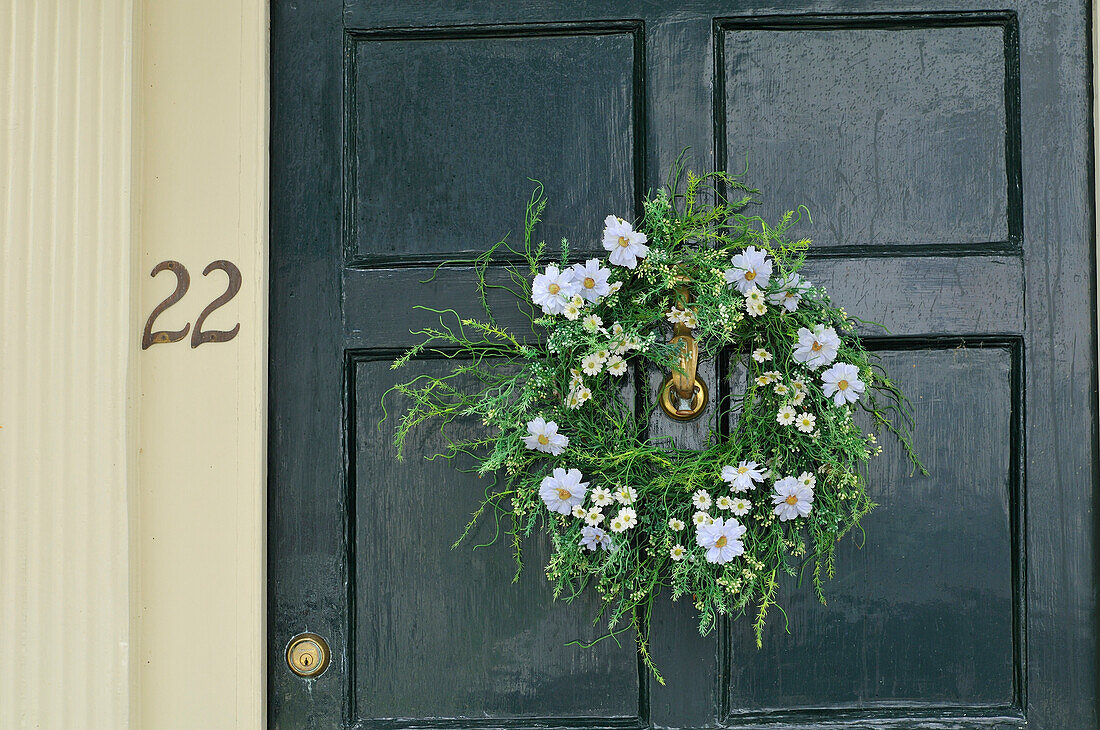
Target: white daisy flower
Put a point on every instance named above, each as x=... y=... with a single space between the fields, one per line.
x=754 y=296
x=594 y=538
x=615 y=287
x=625 y=244
x=786 y=416
x=701 y=500
x=677 y=552
x=626 y=495
x=616 y=366
x=591 y=364
x=573 y=400
x=593 y=516
x=816 y=347
x=841 y=383
x=805 y=421
x=553 y=289
x=741 y=506
x=689 y=319
x=780 y=389
x=800 y=392
x=676 y=525
x=751 y=268
x=675 y=315
x=591 y=280
x=601 y=497
x=701 y=518
x=756 y=310
x=807 y=479
x=634 y=343
x=723 y=502
x=591 y=322
x=583 y=394
x=791 y=499
x=773 y=376
x=572 y=311
x=617 y=524
x=761 y=355
x=721 y=539
x=762 y=380
x=579 y=512
x=789 y=292
x=603 y=355
x=563 y=490
x=628 y=516
x=742 y=477
x=542 y=435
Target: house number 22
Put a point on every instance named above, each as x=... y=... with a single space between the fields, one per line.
x=183 y=281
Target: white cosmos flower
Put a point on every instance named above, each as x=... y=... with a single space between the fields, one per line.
x=791 y=499
x=677 y=552
x=805 y=421
x=591 y=280
x=542 y=435
x=594 y=538
x=626 y=495
x=628 y=516
x=841 y=383
x=676 y=525
x=742 y=477
x=723 y=502
x=789 y=292
x=553 y=290
x=625 y=244
x=591 y=322
x=591 y=364
x=616 y=366
x=701 y=500
x=786 y=416
x=751 y=268
x=601 y=497
x=579 y=512
x=593 y=516
x=816 y=347
x=701 y=518
x=761 y=355
x=721 y=539
x=807 y=479
x=741 y=506
x=563 y=490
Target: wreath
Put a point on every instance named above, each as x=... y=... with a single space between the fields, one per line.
x=566 y=408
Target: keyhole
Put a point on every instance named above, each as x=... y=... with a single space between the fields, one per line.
x=306 y=660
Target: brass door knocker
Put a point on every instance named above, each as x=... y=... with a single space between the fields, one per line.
x=683 y=395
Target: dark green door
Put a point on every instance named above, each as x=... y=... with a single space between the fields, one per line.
x=946 y=159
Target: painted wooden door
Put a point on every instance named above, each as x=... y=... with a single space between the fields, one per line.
x=945 y=157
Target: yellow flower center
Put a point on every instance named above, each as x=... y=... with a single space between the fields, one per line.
x=564 y=494
x=742 y=469
x=816 y=346
x=624 y=241
x=788 y=295
x=721 y=542
x=843 y=385
x=553 y=288
x=792 y=500
x=750 y=275
x=543 y=440
x=589 y=282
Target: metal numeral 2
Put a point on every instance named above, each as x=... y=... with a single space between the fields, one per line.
x=183 y=281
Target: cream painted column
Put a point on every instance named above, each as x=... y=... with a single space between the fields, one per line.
x=66 y=362
x=200 y=521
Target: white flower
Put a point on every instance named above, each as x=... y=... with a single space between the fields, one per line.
x=723 y=502
x=617 y=524
x=542 y=435
x=754 y=296
x=675 y=525
x=634 y=343
x=756 y=310
x=807 y=479
x=751 y=268
x=721 y=539
x=616 y=286
x=591 y=280
x=677 y=552
x=816 y=347
x=800 y=391
x=741 y=506
x=791 y=499
x=593 y=516
x=625 y=244
x=594 y=538
x=786 y=416
x=553 y=289
x=626 y=495
x=563 y=490
x=591 y=364
x=572 y=311
x=578 y=396
x=591 y=322
x=701 y=518
x=579 y=511
x=601 y=497
x=743 y=477
x=761 y=355
x=841 y=383
x=616 y=366
x=789 y=292
x=701 y=500
x=773 y=376
x=628 y=517
x=583 y=394
x=603 y=355
x=805 y=421
x=780 y=389
x=762 y=380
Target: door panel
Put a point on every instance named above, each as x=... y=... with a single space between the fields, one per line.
x=945 y=160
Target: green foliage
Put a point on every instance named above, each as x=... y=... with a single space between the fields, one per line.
x=693 y=227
